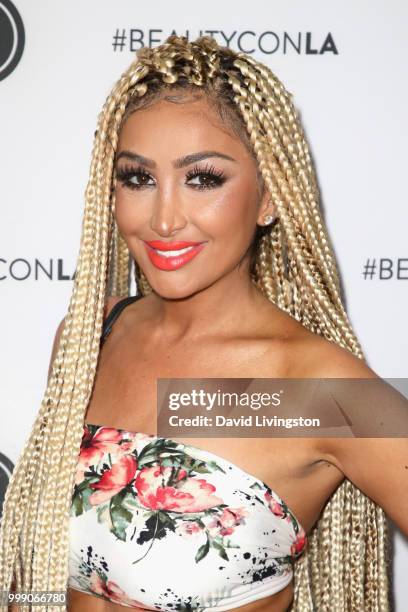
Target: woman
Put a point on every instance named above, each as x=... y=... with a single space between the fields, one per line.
x=201 y=144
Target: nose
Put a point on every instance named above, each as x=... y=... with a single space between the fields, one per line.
x=167 y=216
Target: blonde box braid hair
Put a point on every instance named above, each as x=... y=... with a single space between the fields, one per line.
x=292 y=262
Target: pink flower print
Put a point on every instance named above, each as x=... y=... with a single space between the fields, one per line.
x=274 y=505
x=94 y=447
x=188 y=529
x=113 y=480
x=112 y=591
x=299 y=543
x=185 y=495
x=231 y=518
x=225 y=523
x=131 y=445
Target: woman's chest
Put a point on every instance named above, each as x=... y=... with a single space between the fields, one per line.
x=127 y=376
x=125 y=395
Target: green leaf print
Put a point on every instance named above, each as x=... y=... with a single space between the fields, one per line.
x=169 y=453
x=153 y=450
x=220 y=549
x=202 y=551
x=77 y=506
x=86 y=493
x=80 y=499
x=121 y=519
x=214 y=466
x=256 y=485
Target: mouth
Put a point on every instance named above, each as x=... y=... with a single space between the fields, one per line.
x=172 y=255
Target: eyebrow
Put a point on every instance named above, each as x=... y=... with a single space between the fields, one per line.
x=180 y=162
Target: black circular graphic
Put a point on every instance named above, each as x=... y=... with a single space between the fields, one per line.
x=12 y=38
x=6 y=468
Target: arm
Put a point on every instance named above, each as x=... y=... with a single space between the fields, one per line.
x=378 y=466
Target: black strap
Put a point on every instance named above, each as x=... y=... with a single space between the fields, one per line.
x=115 y=312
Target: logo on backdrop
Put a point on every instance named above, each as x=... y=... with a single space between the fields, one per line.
x=385 y=268
x=6 y=468
x=267 y=42
x=12 y=38
x=21 y=269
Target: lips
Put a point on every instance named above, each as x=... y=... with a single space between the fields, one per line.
x=172 y=255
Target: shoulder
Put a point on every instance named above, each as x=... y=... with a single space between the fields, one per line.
x=306 y=354
x=109 y=304
x=319 y=357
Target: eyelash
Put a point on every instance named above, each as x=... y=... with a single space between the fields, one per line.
x=125 y=174
x=209 y=171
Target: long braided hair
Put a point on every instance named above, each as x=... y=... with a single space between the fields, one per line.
x=345 y=565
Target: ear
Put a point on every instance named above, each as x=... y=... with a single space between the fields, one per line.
x=266 y=207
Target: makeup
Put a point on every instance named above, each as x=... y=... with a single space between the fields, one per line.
x=172 y=255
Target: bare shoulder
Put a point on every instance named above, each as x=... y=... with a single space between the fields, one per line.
x=110 y=301
x=109 y=304
x=318 y=357
x=306 y=354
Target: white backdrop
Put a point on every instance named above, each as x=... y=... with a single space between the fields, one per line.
x=348 y=77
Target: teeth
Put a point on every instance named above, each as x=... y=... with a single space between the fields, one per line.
x=173 y=253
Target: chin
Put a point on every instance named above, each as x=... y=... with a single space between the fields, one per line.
x=174 y=290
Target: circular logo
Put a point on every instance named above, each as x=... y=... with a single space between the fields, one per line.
x=12 y=38
x=6 y=468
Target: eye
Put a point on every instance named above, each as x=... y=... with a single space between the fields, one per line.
x=133 y=177
x=208 y=177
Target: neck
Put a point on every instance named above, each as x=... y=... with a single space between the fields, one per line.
x=225 y=308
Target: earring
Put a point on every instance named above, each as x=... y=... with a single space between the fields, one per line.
x=268 y=219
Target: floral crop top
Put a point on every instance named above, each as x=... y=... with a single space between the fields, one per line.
x=160 y=525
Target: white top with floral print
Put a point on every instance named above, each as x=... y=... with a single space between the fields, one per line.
x=161 y=525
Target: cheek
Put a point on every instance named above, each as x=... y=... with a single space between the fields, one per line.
x=232 y=214
x=128 y=212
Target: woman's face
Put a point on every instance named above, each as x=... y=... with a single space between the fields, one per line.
x=184 y=177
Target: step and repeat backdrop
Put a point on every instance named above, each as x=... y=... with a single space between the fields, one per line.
x=344 y=63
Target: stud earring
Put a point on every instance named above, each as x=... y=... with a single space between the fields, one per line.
x=268 y=219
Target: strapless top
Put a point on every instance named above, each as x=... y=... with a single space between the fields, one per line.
x=162 y=525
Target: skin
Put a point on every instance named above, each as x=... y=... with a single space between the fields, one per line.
x=207 y=319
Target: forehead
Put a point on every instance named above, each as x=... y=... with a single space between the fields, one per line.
x=184 y=103
x=192 y=120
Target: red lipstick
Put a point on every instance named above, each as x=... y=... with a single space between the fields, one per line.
x=173 y=260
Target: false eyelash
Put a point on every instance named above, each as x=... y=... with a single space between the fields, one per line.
x=209 y=171
x=125 y=173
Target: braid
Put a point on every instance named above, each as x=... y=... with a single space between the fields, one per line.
x=345 y=566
